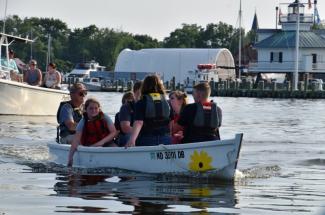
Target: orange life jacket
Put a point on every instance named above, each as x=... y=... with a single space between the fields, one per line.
x=94 y=130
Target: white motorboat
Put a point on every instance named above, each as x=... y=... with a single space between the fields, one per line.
x=212 y=158
x=83 y=70
x=204 y=73
x=18 y=98
x=92 y=84
x=208 y=73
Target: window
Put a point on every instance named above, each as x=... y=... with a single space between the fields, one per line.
x=276 y=57
x=280 y=57
x=314 y=58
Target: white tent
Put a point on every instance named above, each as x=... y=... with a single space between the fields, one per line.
x=170 y=62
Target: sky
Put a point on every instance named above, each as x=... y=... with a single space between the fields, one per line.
x=156 y=18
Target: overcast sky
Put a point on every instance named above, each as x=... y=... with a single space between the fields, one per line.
x=156 y=18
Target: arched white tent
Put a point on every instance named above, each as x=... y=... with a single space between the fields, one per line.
x=170 y=62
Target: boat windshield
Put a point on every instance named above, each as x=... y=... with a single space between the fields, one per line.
x=82 y=66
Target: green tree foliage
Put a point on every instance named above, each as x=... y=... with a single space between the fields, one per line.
x=185 y=37
x=104 y=44
x=71 y=46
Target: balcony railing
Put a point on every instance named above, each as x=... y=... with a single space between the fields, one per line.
x=287 y=66
x=304 y=18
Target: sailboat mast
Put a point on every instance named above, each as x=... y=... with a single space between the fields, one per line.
x=48 y=57
x=4 y=19
x=239 y=43
x=295 y=78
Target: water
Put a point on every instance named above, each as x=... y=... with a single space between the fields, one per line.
x=281 y=168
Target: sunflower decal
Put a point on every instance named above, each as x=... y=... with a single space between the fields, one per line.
x=200 y=161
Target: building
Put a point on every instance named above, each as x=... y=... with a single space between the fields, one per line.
x=276 y=48
x=173 y=62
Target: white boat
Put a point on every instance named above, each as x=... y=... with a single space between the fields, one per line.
x=204 y=73
x=83 y=70
x=18 y=98
x=212 y=158
x=92 y=84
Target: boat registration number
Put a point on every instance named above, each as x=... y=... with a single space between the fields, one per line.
x=167 y=155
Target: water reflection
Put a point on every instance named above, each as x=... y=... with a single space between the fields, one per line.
x=147 y=194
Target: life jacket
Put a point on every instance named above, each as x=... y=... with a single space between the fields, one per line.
x=157 y=110
x=205 y=124
x=62 y=130
x=207 y=115
x=94 y=130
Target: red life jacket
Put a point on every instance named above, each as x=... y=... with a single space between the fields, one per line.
x=94 y=130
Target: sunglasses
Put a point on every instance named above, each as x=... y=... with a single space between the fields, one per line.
x=83 y=93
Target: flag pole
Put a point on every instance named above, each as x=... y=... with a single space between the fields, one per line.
x=239 y=43
x=295 y=79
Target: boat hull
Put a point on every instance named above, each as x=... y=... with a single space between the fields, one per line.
x=213 y=158
x=92 y=87
x=22 y=99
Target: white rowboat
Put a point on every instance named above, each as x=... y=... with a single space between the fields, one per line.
x=213 y=158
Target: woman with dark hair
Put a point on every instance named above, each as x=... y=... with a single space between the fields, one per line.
x=52 y=77
x=152 y=115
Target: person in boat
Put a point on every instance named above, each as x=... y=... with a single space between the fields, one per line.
x=124 y=118
x=95 y=129
x=177 y=100
x=152 y=115
x=137 y=90
x=201 y=120
x=14 y=71
x=52 y=77
x=33 y=75
x=70 y=113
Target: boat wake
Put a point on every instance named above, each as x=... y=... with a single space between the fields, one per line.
x=260 y=172
x=19 y=150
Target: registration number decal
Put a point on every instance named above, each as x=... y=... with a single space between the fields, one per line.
x=167 y=155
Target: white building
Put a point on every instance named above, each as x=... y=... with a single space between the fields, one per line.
x=276 y=47
x=172 y=62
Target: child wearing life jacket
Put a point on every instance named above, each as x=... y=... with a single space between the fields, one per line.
x=95 y=129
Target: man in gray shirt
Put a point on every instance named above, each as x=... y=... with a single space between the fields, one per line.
x=70 y=113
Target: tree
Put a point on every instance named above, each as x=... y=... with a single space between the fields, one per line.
x=185 y=37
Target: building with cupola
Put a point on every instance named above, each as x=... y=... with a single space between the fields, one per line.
x=276 y=48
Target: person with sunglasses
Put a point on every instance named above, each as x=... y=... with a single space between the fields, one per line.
x=33 y=75
x=70 y=113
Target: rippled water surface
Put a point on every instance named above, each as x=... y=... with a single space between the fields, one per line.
x=281 y=168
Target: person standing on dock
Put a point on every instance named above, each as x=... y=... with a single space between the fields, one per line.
x=152 y=115
x=202 y=119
